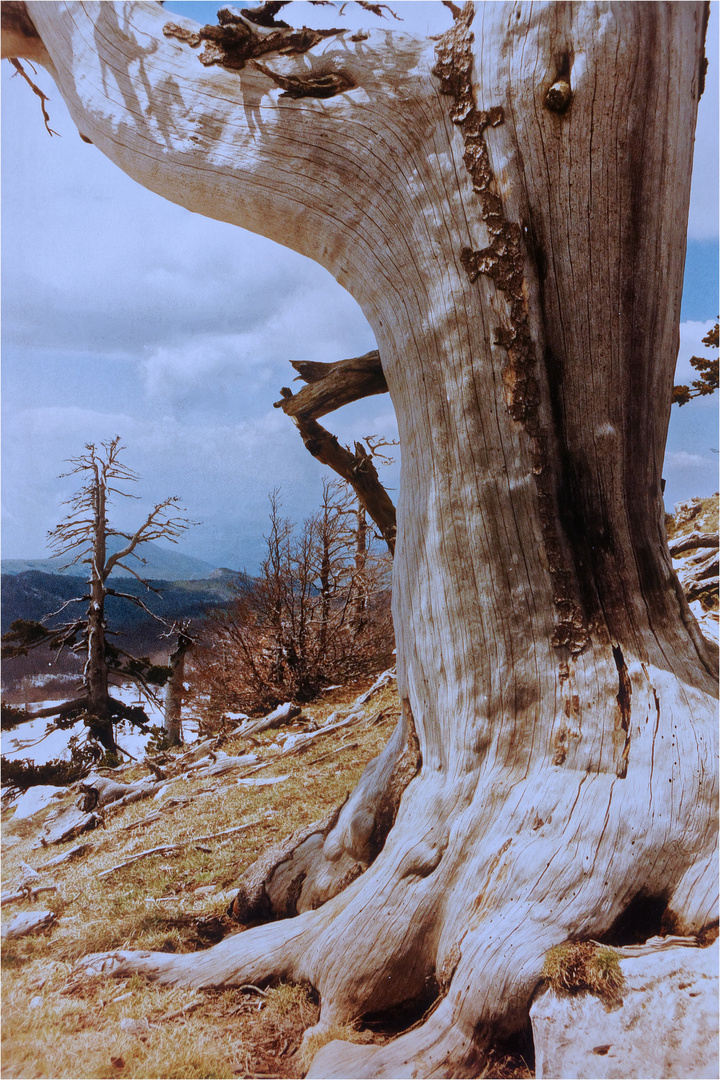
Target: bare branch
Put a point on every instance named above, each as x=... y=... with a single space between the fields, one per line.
x=357 y=469
x=138 y=602
x=36 y=90
x=75 y=600
x=152 y=528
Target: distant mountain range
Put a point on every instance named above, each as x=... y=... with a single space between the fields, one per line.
x=153 y=563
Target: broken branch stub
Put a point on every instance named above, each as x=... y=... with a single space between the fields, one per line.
x=330 y=386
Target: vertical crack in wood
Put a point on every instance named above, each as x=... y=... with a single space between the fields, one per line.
x=624 y=699
x=503 y=261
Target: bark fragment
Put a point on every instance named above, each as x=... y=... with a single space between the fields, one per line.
x=232 y=43
x=310 y=85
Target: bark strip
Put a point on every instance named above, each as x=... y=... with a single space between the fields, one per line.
x=503 y=261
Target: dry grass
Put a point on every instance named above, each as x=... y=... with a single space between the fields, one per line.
x=318 y=1039
x=53 y=1027
x=583 y=965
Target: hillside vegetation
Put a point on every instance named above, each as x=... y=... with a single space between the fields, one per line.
x=209 y=826
x=175 y=902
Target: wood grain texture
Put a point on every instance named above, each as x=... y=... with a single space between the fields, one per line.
x=509 y=208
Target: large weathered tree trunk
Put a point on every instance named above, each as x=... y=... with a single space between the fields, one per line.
x=508 y=206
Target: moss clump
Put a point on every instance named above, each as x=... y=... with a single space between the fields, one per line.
x=583 y=965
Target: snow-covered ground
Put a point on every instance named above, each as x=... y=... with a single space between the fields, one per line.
x=38 y=742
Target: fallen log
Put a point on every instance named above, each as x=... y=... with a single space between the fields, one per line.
x=694 y=541
x=100 y=791
x=66 y=856
x=282 y=715
x=28 y=922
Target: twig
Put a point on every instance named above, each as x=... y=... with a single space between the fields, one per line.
x=255 y=989
x=164 y=849
x=330 y=753
x=27 y=893
x=191 y=1007
x=155 y=816
x=36 y=90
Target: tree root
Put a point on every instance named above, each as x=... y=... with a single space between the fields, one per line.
x=307 y=869
x=473 y=885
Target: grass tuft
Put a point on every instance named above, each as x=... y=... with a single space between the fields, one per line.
x=583 y=965
x=317 y=1039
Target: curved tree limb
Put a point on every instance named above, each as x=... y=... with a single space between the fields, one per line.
x=357 y=469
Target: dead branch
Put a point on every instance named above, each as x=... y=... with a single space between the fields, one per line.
x=357 y=469
x=190 y=1007
x=300 y=747
x=169 y=807
x=36 y=90
x=75 y=600
x=165 y=849
x=335 y=750
x=28 y=893
x=67 y=856
x=695 y=540
x=148 y=820
x=333 y=385
x=282 y=715
x=61 y=709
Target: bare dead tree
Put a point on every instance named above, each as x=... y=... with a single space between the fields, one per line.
x=82 y=539
x=317 y=613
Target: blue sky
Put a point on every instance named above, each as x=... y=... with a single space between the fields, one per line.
x=125 y=314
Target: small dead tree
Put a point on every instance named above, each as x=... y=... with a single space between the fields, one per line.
x=83 y=538
x=175 y=691
x=318 y=612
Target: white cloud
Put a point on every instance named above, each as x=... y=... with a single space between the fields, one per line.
x=681 y=459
